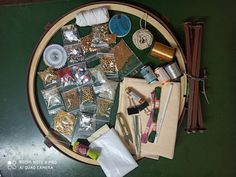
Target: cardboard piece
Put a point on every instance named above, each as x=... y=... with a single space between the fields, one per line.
x=166 y=142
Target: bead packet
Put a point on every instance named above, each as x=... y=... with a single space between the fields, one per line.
x=98 y=75
x=74 y=53
x=104 y=107
x=86 y=44
x=127 y=62
x=111 y=39
x=49 y=77
x=88 y=102
x=64 y=123
x=52 y=97
x=71 y=99
x=87 y=94
x=109 y=66
x=102 y=86
x=66 y=77
x=70 y=34
x=85 y=126
x=81 y=73
x=99 y=33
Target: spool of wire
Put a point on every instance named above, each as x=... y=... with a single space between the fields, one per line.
x=148 y=74
x=173 y=70
x=162 y=52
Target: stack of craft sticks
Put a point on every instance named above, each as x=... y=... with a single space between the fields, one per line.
x=193 y=39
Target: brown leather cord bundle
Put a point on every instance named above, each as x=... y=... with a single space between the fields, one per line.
x=193 y=39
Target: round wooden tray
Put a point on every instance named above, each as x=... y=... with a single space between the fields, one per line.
x=116 y=6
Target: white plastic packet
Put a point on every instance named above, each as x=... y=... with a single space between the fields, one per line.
x=115 y=159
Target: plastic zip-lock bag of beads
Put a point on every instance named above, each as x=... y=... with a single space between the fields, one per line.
x=52 y=97
x=102 y=86
x=85 y=126
x=66 y=77
x=87 y=94
x=104 y=107
x=109 y=66
x=87 y=97
x=98 y=75
x=71 y=99
x=86 y=44
x=64 y=123
x=100 y=33
x=74 y=53
x=127 y=62
x=70 y=34
x=81 y=73
x=48 y=77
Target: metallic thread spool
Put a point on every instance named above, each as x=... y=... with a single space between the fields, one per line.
x=173 y=70
x=148 y=74
x=161 y=74
x=162 y=52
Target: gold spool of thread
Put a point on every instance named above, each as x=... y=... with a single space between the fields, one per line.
x=162 y=52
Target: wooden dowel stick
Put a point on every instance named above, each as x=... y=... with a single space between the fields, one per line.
x=195 y=67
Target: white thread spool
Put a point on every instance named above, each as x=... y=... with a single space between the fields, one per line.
x=142 y=38
x=161 y=74
x=92 y=17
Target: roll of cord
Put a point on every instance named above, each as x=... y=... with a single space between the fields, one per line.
x=92 y=17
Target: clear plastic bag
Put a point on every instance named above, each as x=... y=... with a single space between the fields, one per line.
x=127 y=62
x=104 y=107
x=86 y=44
x=108 y=63
x=100 y=123
x=74 y=53
x=87 y=94
x=64 y=123
x=56 y=110
x=98 y=75
x=100 y=35
x=131 y=68
x=111 y=39
x=85 y=126
x=66 y=77
x=70 y=34
x=102 y=86
x=48 y=77
x=81 y=73
x=88 y=102
x=52 y=98
x=71 y=99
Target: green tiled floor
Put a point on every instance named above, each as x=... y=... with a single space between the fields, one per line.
x=206 y=155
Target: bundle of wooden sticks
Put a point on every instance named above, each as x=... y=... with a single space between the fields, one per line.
x=193 y=39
